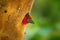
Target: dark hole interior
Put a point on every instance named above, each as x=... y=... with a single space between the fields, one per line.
x=5 y=11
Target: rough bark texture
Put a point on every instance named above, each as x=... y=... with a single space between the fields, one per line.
x=12 y=13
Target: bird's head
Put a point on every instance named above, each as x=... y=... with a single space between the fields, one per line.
x=27 y=19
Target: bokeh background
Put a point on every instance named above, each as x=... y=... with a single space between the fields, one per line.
x=46 y=15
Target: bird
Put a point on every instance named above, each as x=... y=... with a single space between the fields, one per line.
x=27 y=19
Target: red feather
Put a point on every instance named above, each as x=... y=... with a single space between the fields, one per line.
x=25 y=20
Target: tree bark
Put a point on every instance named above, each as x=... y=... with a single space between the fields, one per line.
x=12 y=13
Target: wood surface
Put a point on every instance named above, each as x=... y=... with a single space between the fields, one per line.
x=12 y=13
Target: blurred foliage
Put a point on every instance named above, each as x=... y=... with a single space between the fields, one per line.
x=46 y=14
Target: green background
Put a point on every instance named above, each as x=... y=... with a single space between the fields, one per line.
x=46 y=15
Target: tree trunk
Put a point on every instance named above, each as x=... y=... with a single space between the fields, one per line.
x=12 y=13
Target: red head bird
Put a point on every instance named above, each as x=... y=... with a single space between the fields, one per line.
x=27 y=19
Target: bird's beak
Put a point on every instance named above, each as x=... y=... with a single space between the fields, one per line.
x=30 y=21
